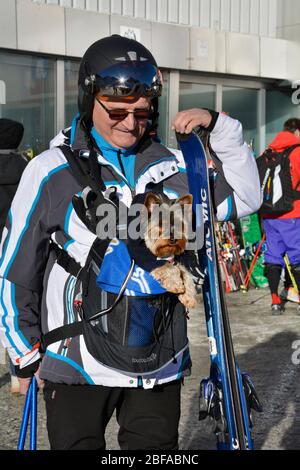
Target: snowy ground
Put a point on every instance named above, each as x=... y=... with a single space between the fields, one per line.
x=264 y=347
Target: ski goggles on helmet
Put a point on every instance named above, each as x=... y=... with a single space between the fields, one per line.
x=130 y=79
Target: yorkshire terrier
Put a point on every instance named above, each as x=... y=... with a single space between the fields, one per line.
x=166 y=237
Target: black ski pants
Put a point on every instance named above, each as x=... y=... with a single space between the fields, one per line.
x=77 y=416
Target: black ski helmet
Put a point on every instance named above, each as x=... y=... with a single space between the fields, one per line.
x=117 y=67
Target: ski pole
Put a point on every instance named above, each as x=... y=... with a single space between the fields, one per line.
x=33 y=416
x=236 y=250
x=288 y=266
x=30 y=408
x=250 y=270
x=25 y=418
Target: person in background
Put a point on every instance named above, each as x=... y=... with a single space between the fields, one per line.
x=12 y=165
x=283 y=231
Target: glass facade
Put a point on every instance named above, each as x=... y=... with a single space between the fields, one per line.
x=163 y=111
x=30 y=92
x=71 y=90
x=242 y=104
x=196 y=95
x=279 y=108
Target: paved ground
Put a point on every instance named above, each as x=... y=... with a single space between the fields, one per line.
x=264 y=348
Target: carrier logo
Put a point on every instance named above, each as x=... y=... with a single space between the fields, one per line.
x=152 y=358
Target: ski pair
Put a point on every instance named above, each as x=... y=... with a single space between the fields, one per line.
x=30 y=410
x=227 y=396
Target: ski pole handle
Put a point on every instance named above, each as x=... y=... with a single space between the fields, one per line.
x=25 y=418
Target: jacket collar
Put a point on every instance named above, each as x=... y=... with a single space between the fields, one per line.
x=149 y=153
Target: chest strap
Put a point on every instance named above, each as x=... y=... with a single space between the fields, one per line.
x=66 y=261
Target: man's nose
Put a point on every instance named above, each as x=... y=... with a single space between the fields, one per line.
x=130 y=122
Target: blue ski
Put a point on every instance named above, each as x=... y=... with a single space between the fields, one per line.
x=227 y=396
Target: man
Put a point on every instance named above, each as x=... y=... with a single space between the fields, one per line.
x=12 y=165
x=119 y=86
x=283 y=231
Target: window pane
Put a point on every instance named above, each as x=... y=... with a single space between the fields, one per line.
x=163 y=111
x=195 y=95
x=30 y=92
x=71 y=90
x=242 y=104
x=280 y=108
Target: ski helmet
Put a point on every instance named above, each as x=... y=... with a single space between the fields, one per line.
x=117 y=67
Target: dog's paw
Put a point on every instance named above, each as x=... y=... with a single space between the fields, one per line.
x=170 y=279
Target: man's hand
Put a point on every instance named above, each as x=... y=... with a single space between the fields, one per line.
x=185 y=121
x=24 y=383
x=25 y=375
x=191 y=262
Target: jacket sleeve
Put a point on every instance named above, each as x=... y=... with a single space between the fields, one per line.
x=23 y=255
x=236 y=186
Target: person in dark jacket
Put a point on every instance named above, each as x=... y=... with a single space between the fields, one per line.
x=12 y=165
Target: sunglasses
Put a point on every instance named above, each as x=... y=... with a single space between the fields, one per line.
x=121 y=114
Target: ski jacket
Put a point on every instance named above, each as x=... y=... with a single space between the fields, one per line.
x=36 y=294
x=282 y=141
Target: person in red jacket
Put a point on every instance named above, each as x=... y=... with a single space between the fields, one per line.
x=283 y=232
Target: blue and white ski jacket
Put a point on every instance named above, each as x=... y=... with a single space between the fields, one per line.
x=36 y=294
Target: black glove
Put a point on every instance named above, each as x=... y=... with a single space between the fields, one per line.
x=28 y=371
x=191 y=262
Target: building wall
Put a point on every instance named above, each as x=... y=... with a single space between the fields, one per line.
x=237 y=16
x=37 y=26
x=288 y=22
x=288 y=28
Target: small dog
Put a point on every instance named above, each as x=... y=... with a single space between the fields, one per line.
x=166 y=238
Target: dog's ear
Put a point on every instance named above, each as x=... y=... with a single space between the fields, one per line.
x=151 y=201
x=185 y=200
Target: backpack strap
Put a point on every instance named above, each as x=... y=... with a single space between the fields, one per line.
x=59 y=334
x=87 y=172
x=288 y=153
x=65 y=260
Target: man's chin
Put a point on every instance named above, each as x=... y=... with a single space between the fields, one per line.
x=125 y=140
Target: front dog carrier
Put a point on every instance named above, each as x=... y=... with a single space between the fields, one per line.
x=133 y=334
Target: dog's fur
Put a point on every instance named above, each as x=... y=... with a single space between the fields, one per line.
x=168 y=238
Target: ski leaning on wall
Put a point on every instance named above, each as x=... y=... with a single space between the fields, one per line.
x=227 y=396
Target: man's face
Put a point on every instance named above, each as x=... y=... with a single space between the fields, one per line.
x=123 y=133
